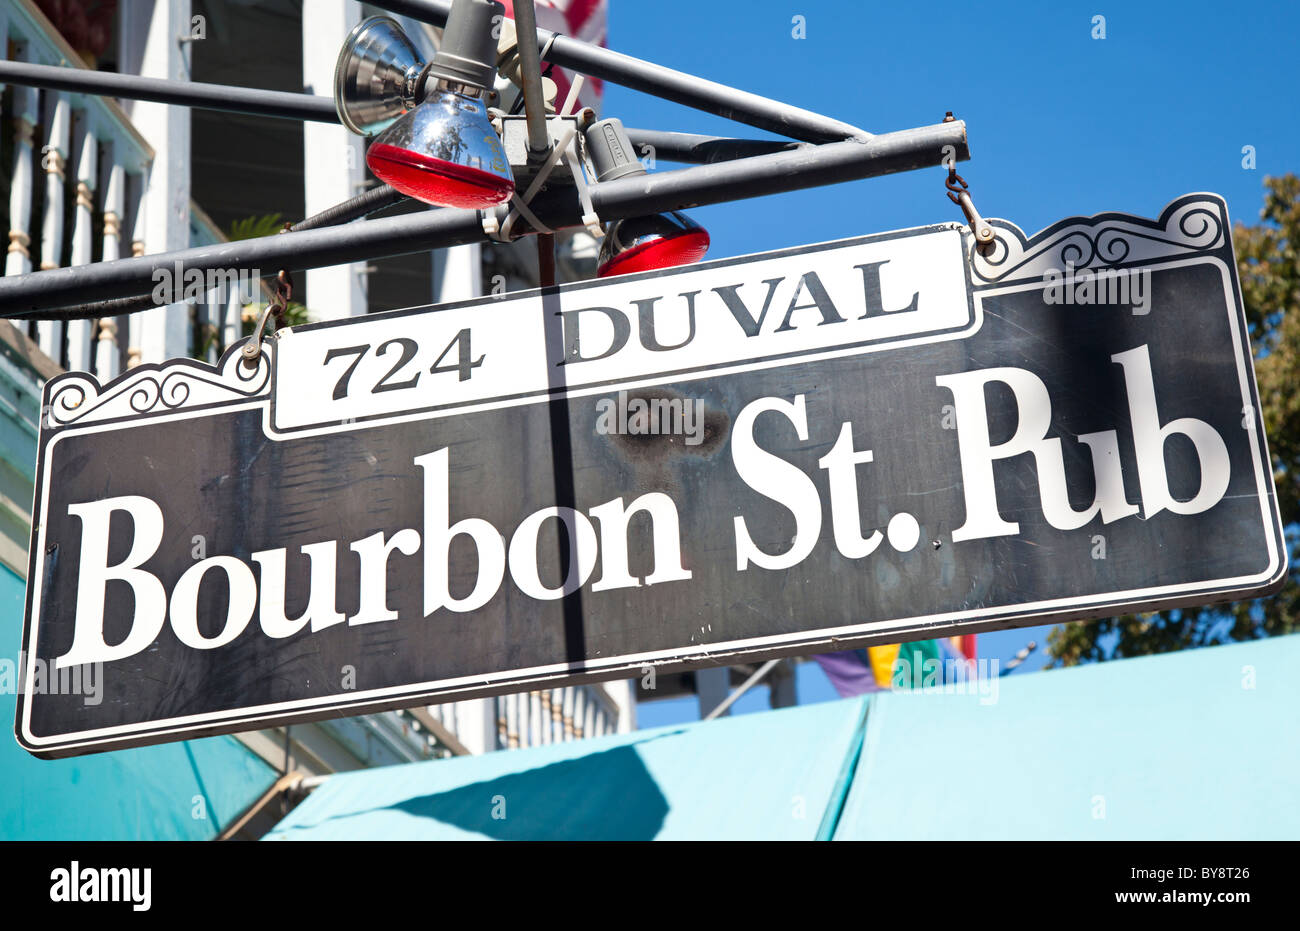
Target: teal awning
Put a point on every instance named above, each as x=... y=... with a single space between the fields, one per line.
x=1199 y=744
x=1202 y=744
x=767 y=776
x=180 y=791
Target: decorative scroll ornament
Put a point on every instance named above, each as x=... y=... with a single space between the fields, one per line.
x=1188 y=225
x=157 y=389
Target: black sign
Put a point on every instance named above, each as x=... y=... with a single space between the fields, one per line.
x=869 y=441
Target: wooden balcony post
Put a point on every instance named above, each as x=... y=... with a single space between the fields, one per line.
x=106 y=354
x=81 y=332
x=566 y=713
x=579 y=713
x=18 y=260
x=135 y=325
x=54 y=159
x=114 y=206
x=477 y=725
x=232 y=329
x=163 y=333
x=333 y=159
x=622 y=692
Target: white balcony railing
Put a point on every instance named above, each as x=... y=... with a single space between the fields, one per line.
x=551 y=716
x=74 y=157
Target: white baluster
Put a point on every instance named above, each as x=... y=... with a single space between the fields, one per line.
x=512 y=721
x=108 y=358
x=557 y=716
x=135 y=327
x=114 y=200
x=18 y=261
x=214 y=307
x=81 y=332
x=54 y=156
x=232 y=327
x=566 y=711
x=106 y=354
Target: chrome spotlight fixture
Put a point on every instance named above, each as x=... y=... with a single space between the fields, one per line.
x=639 y=244
x=435 y=140
x=377 y=76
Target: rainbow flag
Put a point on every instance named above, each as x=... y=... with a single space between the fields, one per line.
x=900 y=666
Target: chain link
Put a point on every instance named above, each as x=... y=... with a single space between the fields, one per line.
x=959 y=194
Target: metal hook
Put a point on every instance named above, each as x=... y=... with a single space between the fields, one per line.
x=959 y=194
x=252 y=350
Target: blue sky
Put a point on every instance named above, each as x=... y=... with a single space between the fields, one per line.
x=1060 y=124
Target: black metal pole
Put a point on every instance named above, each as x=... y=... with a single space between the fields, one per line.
x=673 y=147
x=184 y=93
x=24 y=296
x=370 y=202
x=530 y=81
x=677 y=86
x=678 y=147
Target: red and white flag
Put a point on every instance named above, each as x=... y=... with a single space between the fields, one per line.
x=579 y=19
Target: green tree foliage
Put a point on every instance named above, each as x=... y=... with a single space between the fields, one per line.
x=255 y=228
x=1268 y=262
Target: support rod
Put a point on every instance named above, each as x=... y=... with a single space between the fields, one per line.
x=22 y=296
x=530 y=80
x=676 y=147
x=677 y=86
x=744 y=687
x=185 y=93
x=703 y=150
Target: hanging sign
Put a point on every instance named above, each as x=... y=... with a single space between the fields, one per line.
x=881 y=439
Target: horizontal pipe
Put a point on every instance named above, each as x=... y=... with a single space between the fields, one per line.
x=677 y=86
x=681 y=147
x=591 y=60
x=26 y=295
x=249 y=100
x=760 y=175
x=370 y=202
x=703 y=150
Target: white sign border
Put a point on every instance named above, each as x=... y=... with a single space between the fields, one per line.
x=811 y=641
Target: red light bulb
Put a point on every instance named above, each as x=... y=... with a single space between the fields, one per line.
x=436 y=181
x=445 y=153
x=643 y=244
